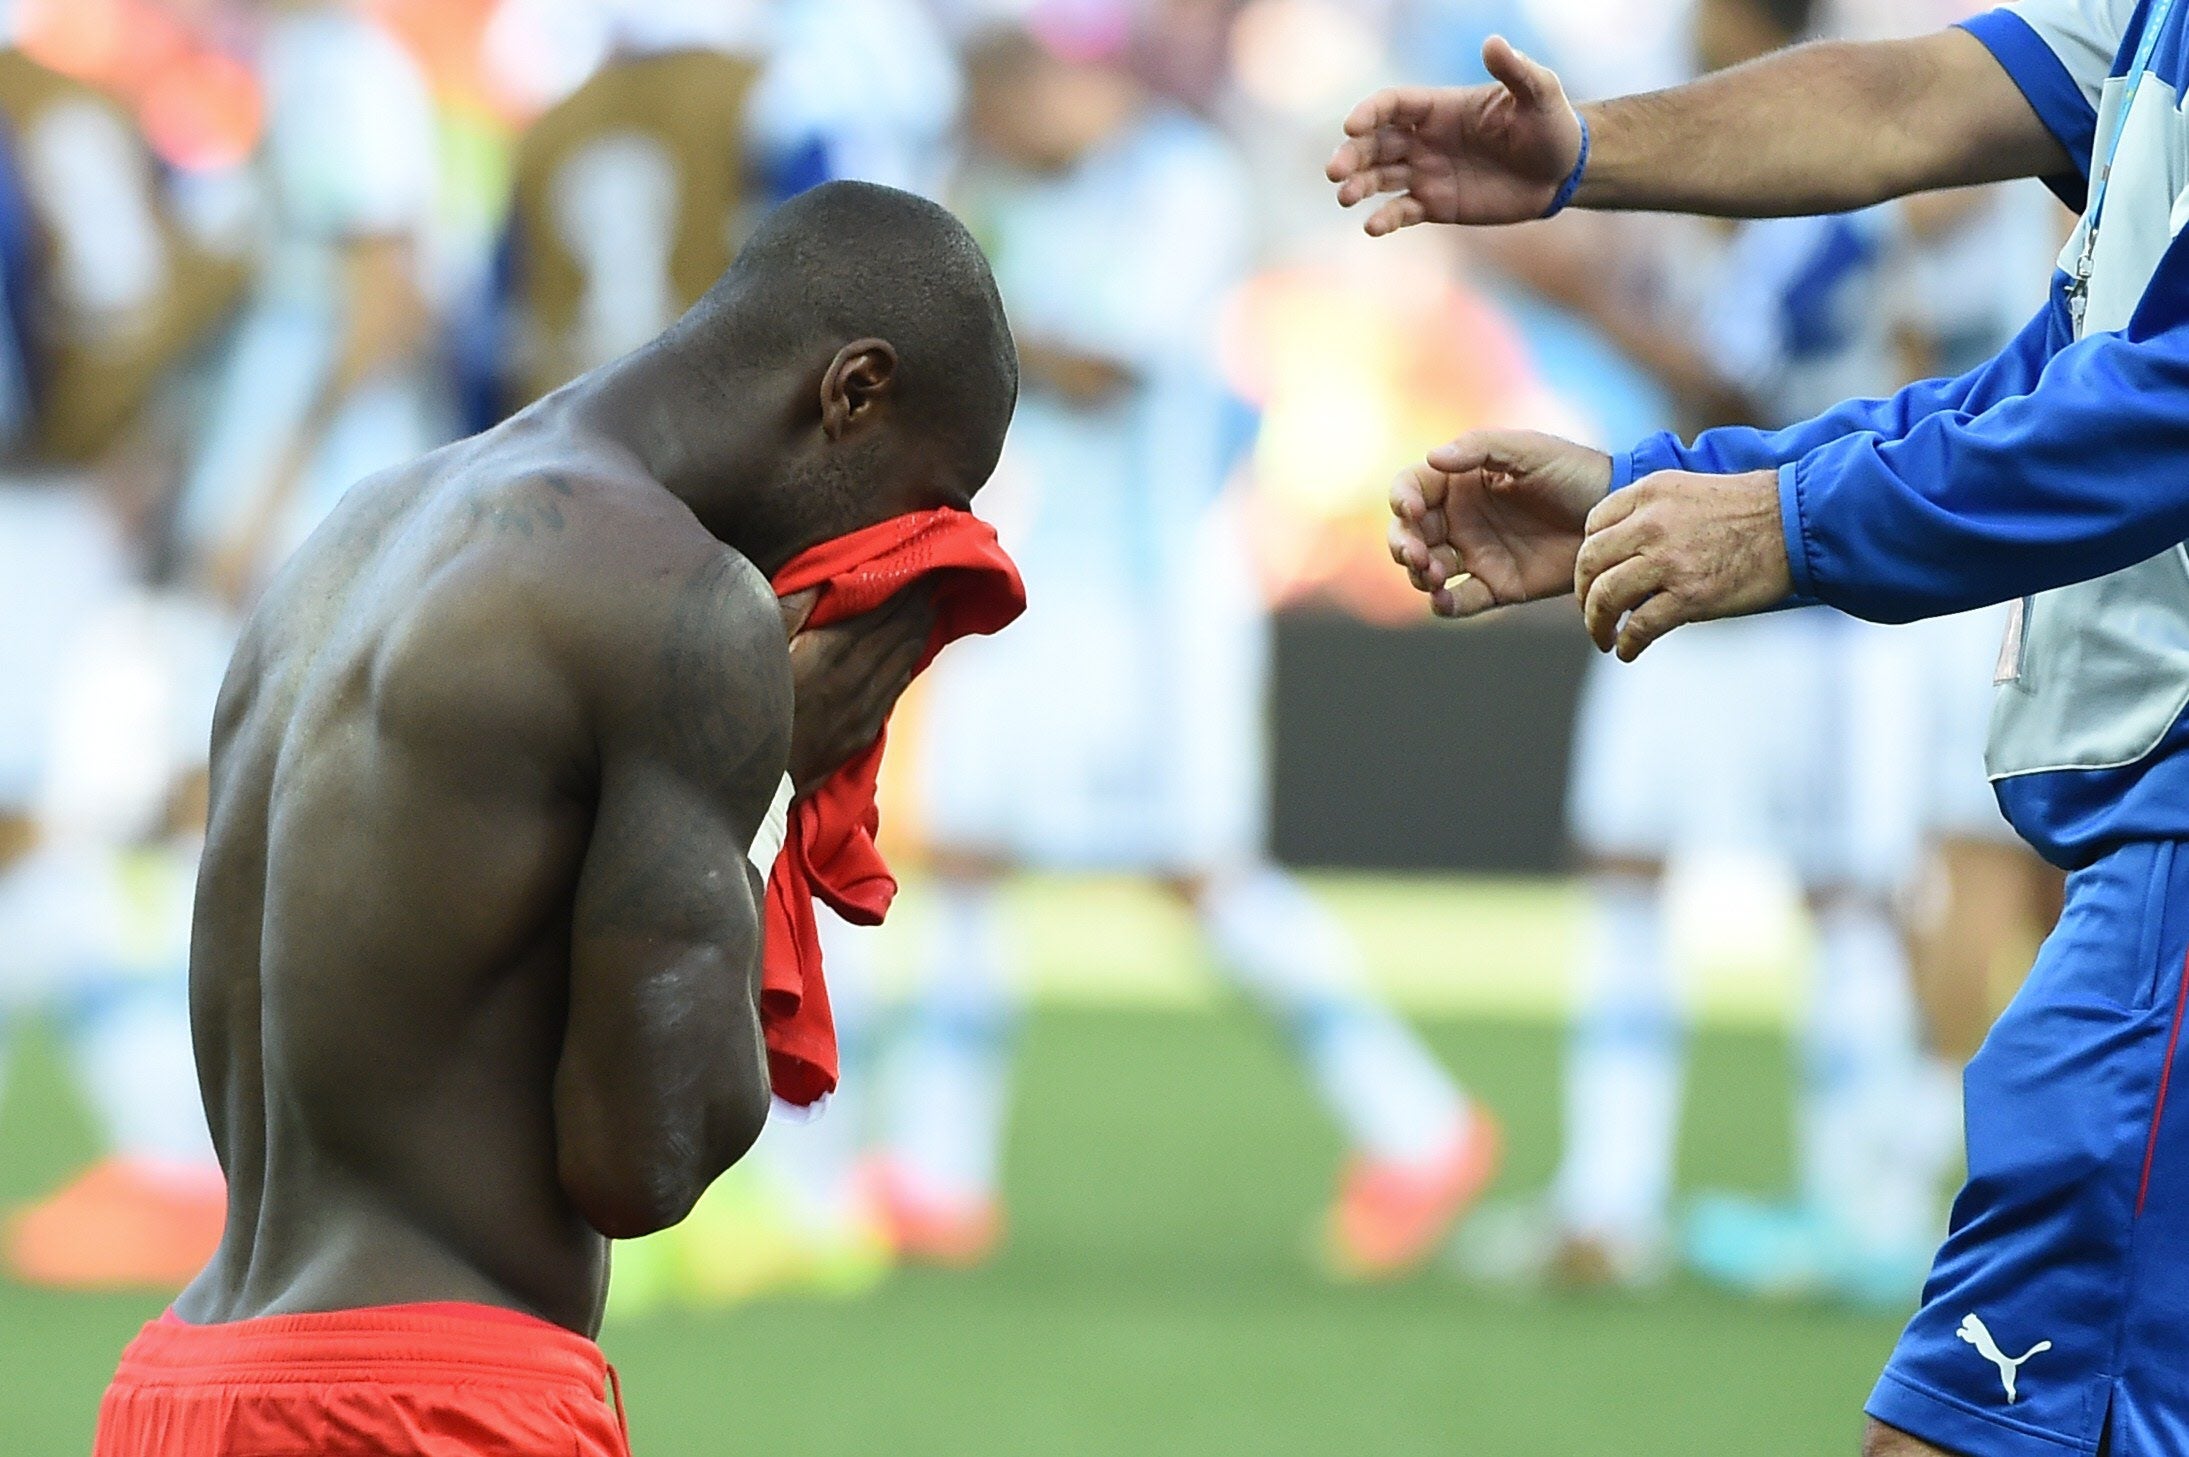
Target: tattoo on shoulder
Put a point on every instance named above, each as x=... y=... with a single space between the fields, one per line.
x=726 y=717
x=723 y=706
x=523 y=509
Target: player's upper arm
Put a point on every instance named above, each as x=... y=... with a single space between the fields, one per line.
x=2059 y=54
x=663 y=1078
x=692 y=721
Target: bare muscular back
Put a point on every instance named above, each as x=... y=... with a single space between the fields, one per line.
x=484 y=770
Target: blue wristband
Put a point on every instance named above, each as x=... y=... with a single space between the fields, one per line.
x=1572 y=184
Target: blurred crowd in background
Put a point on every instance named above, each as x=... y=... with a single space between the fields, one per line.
x=252 y=252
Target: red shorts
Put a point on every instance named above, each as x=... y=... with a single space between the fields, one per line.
x=396 y=1381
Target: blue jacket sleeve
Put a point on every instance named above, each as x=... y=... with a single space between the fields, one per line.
x=1737 y=449
x=2083 y=475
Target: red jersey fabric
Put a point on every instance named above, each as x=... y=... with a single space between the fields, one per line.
x=829 y=852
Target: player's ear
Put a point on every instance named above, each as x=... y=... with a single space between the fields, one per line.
x=856 y=382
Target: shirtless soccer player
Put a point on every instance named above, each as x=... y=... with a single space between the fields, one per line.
x=476 y=959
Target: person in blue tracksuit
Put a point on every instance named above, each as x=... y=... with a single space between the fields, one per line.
x=2055 y=476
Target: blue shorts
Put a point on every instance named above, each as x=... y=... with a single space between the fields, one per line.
x=2057 y=1313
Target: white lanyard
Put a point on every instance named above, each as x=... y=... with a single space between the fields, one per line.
x=2079 y=291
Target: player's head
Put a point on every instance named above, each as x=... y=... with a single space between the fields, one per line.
x=871 y=314
x=1729 y=32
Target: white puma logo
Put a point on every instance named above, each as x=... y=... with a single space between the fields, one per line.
x=1974 y=1332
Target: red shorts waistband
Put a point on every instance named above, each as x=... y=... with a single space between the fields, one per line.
x=387 y=1343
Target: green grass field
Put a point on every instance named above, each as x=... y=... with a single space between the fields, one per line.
x=1156 y=1297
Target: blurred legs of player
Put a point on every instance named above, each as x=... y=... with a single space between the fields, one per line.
x=1667 y=762
x=1986 y=899
x=1625 y=1062
x=1121 y=726
x=1657 y=768
x=104 y=933
x=101 y=735
x=948 y=1083
x=1877 y=1117
x=1420 y=1150
x=1987 y=907
x=1874 y=1135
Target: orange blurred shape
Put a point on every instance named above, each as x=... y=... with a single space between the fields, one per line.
x=203 y=111
x=111 y=43
x=1390 y=1219
x=120 y=1225
x=448 y=39
x=76 y=37
x=199 y=108
x=1356 y=376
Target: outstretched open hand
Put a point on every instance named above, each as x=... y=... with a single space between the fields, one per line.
x=1489 y=154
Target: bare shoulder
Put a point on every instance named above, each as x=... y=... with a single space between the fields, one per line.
x=710 y=669
x=674 y=640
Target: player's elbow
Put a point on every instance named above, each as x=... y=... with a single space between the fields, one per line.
x=626 y=1208
x=633 y=1182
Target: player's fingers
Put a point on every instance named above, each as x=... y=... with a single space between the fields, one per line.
x=1386 y=145
x=1407 y=547
x=1418 y=494
x=894 y=671
x=795 y=609
x=1391 y=177
x=884 y=623
x=1409 y=496
x=1508 y=452
x=1649 y=622
x=1531 y=84
x=1616 y=507
x=1463 y=597
x=1402 y=106
x=1612 y=595
x=880 y=636
x=1358 y=154
x=911 y=628
x=1600 y=552
x=1427 y=567
x=1443 y=567
x=1399 y=212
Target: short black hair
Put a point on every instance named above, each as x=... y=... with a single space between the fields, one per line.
x=849 y=260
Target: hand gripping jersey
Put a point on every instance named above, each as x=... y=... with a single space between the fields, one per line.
x=829 y=852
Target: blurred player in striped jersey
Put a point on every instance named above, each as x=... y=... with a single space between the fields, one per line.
x=331 y=375
x=1123 y=730
x=630 y=195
